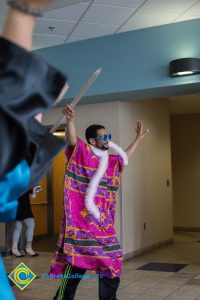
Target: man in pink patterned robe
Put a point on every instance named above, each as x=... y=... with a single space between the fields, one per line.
x=88 y=239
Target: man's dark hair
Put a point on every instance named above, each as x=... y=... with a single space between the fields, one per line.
x=91 y=131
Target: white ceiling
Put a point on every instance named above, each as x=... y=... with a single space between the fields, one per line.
x=185 y=104
x=94 y=18
x=65 y=23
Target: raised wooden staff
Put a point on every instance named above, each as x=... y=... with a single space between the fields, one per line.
x=77 y=99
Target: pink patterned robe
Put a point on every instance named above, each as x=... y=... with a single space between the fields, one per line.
x=85 y=242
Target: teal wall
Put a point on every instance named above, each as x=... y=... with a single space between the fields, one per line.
x=134 y=63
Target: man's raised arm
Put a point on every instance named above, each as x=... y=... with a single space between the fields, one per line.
x=140 y=133
x=69 y=112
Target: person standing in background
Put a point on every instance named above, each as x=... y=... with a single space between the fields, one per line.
x=24 y=215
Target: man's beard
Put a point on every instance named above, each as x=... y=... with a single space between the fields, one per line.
x=104 y=147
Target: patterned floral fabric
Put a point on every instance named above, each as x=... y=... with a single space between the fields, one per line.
x=85 y=242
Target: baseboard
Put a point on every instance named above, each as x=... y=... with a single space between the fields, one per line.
x=192 y=229
x=43 y=236
x=147 y=249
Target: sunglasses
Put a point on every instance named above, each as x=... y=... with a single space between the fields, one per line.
x=104 y=137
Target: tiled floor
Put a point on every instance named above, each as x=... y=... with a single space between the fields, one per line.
x=45 y=244
x=135 y=284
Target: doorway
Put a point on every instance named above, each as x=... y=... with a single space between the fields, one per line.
x=47 y=208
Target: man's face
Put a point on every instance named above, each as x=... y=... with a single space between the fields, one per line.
x=98 y=142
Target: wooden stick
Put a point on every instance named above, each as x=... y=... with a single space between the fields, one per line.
x=77 y=99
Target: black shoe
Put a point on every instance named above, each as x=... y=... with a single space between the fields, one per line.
x=11 y=253
x=34 y=255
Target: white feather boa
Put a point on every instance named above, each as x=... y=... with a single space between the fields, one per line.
x=94 y=183
x=119 y=151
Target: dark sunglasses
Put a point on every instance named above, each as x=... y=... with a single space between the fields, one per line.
x=104 y=137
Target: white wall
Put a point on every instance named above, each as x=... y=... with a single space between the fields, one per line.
x=145 y=196
x=186 y=170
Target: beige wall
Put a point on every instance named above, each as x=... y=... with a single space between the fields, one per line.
x=145 y=196
x=185 y=130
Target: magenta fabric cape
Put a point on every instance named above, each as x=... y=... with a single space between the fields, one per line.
x=85 y=242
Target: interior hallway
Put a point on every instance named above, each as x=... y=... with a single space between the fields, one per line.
x=136 y=284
